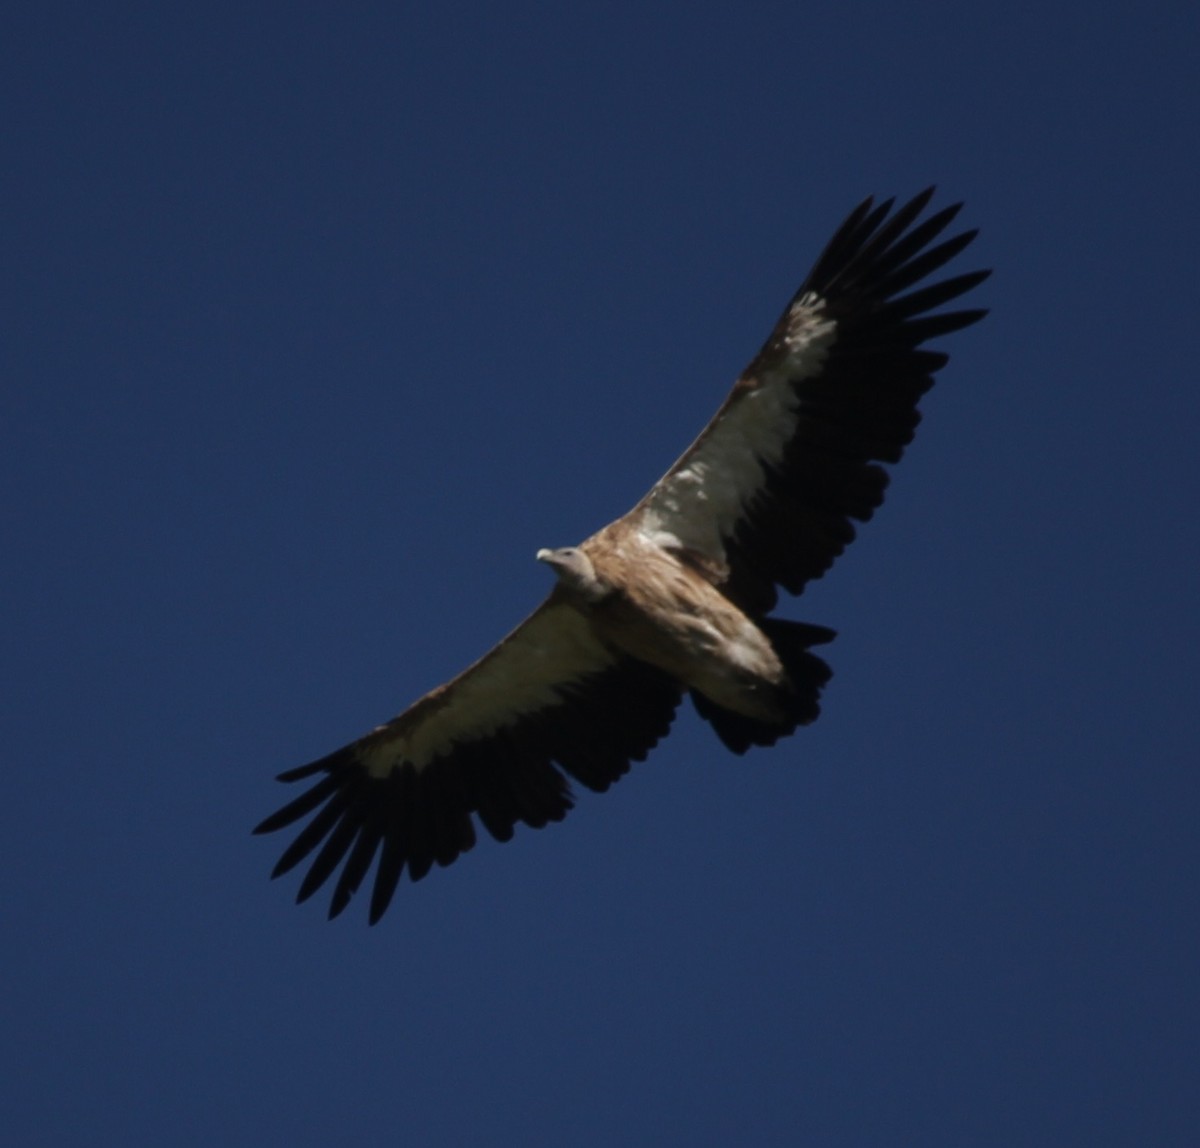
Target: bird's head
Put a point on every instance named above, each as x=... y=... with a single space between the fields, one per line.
x=575 y=571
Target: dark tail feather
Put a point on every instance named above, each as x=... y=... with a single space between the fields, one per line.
x=807 y=674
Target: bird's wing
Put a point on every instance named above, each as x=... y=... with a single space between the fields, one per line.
x=494 y=742
x=766 y=495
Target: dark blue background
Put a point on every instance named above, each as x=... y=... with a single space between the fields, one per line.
x=317 y=321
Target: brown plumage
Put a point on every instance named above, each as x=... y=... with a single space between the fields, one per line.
x=671 y=598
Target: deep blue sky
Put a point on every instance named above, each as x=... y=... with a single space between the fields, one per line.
x=318 y=321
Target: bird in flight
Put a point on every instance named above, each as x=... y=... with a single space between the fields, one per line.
x=674 y=597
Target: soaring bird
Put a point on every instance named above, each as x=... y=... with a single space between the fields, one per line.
x=674 y=597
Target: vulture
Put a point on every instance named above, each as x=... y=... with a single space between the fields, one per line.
x=674 y=597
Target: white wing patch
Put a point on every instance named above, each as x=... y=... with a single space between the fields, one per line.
x=525 y=673
x=699 y=501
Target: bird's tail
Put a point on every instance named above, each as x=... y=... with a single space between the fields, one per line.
x=799 y=699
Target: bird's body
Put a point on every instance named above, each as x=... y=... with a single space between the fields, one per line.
x=674 y=597
x=662 y=612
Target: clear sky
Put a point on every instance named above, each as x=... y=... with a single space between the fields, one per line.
x=319 y=320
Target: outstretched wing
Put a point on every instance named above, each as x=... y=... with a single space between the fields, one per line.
x=493 y=742
x=765 y=497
